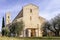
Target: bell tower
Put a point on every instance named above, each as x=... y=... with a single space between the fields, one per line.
x=7 y=18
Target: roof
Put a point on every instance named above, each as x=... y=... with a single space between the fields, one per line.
x=31 y=4
x=20 y=14
x=42 y=20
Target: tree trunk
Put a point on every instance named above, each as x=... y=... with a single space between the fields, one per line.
x=57 y=33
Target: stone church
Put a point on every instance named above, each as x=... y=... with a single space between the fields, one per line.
x=29 y=14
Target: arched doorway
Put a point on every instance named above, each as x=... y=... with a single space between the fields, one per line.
x=33 y=32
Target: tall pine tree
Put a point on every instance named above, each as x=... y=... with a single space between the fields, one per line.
x=3 y=25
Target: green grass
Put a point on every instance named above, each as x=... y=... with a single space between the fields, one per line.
x=27 y=38
x=8 y=38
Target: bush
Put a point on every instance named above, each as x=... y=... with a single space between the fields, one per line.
x=6 y=31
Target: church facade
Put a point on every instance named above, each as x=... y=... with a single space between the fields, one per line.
x=29 y=14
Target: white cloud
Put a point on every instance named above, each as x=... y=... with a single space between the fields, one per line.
x=51 y=9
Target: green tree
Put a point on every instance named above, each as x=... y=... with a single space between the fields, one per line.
x=45 y=27
x=53 y=25
x=56 y=24
x=6 y=31
x=16 y=28
x=3 y=25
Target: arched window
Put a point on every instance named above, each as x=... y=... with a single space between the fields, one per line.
x=30 y=10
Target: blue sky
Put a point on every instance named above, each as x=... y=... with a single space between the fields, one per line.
x=47 y=8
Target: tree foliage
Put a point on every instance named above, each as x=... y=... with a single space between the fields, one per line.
x=3 y=25
x=6 y=31
x=45 y=27
x=16 y=28
x=56 y=25
x=53 y=25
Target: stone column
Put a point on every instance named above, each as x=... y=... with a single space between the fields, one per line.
x=36 y=33
x=29 y=33
x=40 y=33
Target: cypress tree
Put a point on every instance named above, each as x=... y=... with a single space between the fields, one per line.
x=3 y=25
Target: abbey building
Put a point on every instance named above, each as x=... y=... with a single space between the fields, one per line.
x=29 y=14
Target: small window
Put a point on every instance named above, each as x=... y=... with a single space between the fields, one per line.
x=30 y=10
x=30 y=18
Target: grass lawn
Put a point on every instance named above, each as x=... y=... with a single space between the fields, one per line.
x=35 y=38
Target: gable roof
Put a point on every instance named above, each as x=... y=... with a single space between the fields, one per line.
x=20 y=14
x=31 y=4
